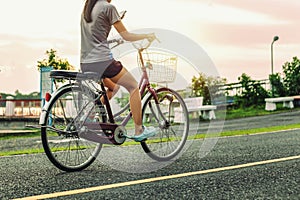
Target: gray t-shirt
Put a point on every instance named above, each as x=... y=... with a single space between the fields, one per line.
x=94 y=46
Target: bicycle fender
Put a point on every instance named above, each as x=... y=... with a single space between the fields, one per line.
x=42 y=120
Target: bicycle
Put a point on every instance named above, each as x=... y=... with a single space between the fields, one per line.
x=75 y=124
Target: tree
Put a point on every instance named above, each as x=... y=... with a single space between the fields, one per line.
x=278 y=88
x=287 y=84
x=54 y=61
x=252 y=93
x=291 y=77
x=18 y=94
x=207 y=87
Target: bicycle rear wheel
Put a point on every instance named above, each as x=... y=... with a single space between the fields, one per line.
x=173 y=132
x=61 y=142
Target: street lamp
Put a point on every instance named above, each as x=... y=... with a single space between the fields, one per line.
x=272 y=72
x=274 y=40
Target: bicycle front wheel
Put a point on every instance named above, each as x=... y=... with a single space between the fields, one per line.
x=62 y=145
x=170 y=115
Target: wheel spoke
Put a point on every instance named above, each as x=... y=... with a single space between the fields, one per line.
x=168 y=143
x=60 y=137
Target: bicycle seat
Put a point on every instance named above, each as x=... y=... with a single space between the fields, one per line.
x=62 y=74
x=73 y=75
x=89 y=75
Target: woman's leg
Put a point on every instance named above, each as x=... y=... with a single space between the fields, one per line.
x=112 y=88
x=125 y=79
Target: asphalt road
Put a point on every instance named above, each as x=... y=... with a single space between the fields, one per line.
x=24 y=176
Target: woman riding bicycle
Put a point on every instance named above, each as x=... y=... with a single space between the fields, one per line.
x=96 y=21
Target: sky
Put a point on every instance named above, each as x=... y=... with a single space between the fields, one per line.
x=236 y=35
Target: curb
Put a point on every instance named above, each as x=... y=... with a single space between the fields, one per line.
x=14 y=132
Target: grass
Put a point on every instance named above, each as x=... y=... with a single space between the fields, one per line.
x=230 y=114
x=198 y=136
x=249 y=131
x=249 y=112
x=21 y=152
x=20 y=135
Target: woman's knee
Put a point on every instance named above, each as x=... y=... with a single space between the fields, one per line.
x=116 y=88
x=132 y=86
x=125 y=79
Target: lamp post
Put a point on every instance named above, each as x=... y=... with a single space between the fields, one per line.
x=272 y=67
x=274 y=40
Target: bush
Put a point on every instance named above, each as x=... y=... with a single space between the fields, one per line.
x=252 y=93
x=278 y=88
x=291 y=78
x=207 y=87
x=54 y=61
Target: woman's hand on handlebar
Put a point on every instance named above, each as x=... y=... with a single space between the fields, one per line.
x=140 y=46
x=151 y=37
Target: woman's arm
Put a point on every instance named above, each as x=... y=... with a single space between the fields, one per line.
x=119 y=26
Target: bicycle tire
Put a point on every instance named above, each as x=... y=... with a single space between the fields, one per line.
x=68 y=152
x=172 y=135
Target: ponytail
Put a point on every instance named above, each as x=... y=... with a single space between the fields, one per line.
x=87 y=11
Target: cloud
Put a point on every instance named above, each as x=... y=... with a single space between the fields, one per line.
x=277 y=10
x=19 y=56
x=235 y=33
x=48 y=18
x=249 y=35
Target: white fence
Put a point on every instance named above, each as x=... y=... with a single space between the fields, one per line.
x=20 y=108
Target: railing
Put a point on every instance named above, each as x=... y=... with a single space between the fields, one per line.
x=234 y=89
x=20 y=107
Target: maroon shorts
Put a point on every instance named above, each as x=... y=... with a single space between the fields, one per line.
x=106 y=69
x=113 y=69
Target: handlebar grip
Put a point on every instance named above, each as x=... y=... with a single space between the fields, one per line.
x=119 y=41
x=111 y=41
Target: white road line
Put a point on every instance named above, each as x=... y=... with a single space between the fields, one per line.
x=129 y=183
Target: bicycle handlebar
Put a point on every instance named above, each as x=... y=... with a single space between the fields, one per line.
x=120 y=41
x=148 y=45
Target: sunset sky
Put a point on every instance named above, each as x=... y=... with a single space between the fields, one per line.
x=235 y=34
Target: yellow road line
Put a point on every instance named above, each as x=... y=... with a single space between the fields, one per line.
x=162 y=178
